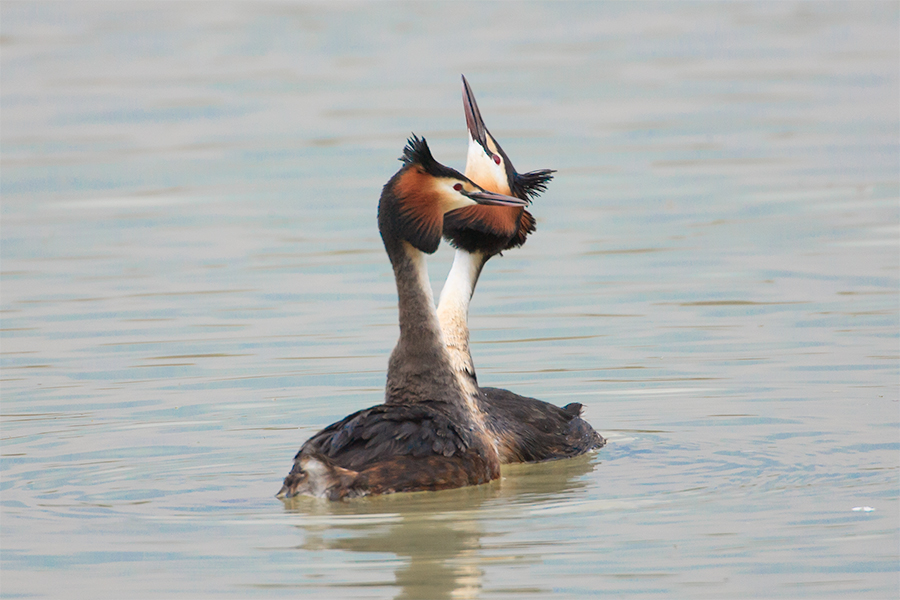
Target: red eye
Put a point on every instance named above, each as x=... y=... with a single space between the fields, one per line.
x=497 y=159
x=457 y=187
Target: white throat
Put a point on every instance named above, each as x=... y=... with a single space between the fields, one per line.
x=453 y=309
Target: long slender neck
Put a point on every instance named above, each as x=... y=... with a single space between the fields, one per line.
x=453 y=314
x=453 y=309
x=419 y=369
x=419 y=326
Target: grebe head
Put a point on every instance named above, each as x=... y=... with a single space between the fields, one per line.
x=492 y=230
x=414 y=201
x=487 y=163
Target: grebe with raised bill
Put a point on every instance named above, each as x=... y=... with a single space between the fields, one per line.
x=524 y=429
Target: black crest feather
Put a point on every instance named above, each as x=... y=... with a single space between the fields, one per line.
x=417 y=153
x=532 y=184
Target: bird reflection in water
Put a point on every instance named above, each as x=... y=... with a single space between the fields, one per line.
x=437 y=537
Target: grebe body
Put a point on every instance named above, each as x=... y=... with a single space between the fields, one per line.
x=426 y=435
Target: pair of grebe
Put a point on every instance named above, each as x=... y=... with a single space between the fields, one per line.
x=437 y=429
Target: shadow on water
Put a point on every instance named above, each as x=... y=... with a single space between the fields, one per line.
x=437 y=537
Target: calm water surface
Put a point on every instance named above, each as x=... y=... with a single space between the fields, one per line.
x=193 y=283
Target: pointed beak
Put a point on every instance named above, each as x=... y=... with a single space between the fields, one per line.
x=473 y=117
x=491 y=198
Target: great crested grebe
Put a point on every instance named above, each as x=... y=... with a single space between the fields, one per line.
x=426 y=435
x=524 y=429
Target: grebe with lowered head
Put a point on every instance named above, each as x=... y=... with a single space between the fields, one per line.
x=425 y=436
x=525 y=429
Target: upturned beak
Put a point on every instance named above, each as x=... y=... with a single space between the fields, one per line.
x=474 y=122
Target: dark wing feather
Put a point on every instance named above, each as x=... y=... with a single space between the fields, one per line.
x=531 y=430
x=385 y=431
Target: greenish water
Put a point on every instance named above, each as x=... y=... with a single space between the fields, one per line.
x=193 y=283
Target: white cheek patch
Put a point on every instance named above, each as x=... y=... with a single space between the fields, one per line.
x=451 y=198
x=482 y=169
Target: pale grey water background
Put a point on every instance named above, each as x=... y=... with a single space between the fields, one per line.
x=193 y=283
